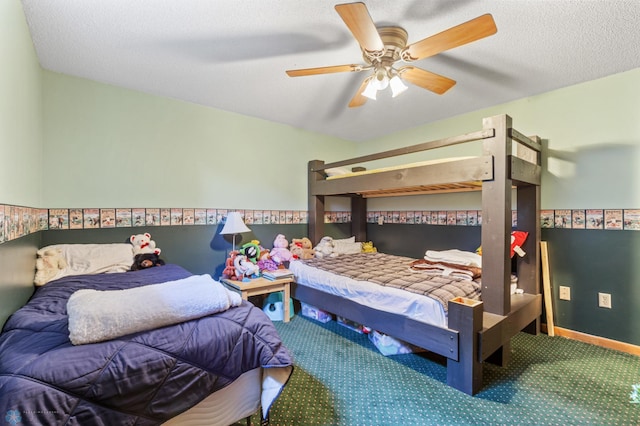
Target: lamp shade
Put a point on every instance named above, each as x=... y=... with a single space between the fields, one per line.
x=397 y=86
x=234 y=224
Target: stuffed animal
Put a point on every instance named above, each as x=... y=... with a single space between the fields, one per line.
x=280 y=253
x=367 y=247
x=146 y=260
x=142 y=243
x=251 y=250
x=48 y=264
x=324 y=248
x=265 y=263
x=302 y=248
x=229 y=270
x=245 y=268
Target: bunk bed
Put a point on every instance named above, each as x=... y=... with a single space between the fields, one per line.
x=476 y=331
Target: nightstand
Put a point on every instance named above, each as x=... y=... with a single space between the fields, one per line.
x=259 y=286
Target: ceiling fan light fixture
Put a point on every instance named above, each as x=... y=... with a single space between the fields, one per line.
x=397 y=86
x=370 y=91
x=381 y=79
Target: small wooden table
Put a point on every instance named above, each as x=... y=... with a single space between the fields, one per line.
x=262 y=285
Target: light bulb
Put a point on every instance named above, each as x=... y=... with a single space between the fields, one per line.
x=381 y=79
x=370 y=90
x=397 y=86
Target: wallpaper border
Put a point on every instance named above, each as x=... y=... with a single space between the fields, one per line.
x=18 y=221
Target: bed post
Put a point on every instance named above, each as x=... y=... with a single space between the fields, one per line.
x=528 y=205
x=315 y=203
x=359 y=217
x=465 y=317
x=496 y=219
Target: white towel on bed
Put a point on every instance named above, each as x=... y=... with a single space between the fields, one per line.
x=455 y=256
x=96 y=315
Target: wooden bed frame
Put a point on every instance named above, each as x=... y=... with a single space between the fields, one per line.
x=476 y=331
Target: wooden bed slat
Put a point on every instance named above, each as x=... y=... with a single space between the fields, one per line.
x=441 y=341
x=449 y=173
x=523 y=172
x=454 y=140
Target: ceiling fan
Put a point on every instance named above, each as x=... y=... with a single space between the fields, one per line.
x=383 y=47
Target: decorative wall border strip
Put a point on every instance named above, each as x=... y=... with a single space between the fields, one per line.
x=19 y=221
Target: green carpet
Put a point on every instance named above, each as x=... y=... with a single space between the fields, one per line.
x=340 y=378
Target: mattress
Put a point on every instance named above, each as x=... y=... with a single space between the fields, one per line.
x=237 y=401
x=387 y=299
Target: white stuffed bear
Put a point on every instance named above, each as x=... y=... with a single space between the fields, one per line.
x=142 y=243
x=325 y=248
x=48 y=264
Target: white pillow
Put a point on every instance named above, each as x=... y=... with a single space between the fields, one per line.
x=91 y=258
x=346 y=240
x=346 y=247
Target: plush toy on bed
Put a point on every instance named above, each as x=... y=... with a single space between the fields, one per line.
x=368 y=247
x=324 y=248
x=280 y=253
x=48 y=264
x=142 y=243
x=301 y=248
x=146 y=260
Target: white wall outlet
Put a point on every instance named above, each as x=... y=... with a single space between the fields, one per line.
x=604 y=300
x=565 y=292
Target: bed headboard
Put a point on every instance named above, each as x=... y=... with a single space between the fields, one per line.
x=17 y=269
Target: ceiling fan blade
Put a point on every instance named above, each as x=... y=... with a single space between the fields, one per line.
x=324 y=70
x=426 y=79
x=358 y=20
x=475 y=29
x=358 y=99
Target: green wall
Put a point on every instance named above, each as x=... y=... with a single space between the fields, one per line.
x=591 y=135
x=20 y=149
x=112 y=147
x=20 y=110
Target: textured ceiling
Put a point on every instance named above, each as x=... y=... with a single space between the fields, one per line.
x=232 y=55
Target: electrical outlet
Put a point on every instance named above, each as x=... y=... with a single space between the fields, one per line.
x=604 y=300
x=565 y=292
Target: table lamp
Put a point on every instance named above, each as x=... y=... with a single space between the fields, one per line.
x=234 y=225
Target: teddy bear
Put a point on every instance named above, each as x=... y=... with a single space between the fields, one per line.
x=367 y=247
x=324 y=248
x=142 y=243
x=146 y=260
x=301 y=248
x=280 y=253
x=48 y=264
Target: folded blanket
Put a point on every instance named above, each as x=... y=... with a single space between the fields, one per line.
x=447 y=269
x=96 y=315
x=455 y=256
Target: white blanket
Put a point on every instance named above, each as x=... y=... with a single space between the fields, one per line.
x=96 y=315
x=458 y=257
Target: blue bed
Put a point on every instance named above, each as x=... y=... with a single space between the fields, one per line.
x=144 y=378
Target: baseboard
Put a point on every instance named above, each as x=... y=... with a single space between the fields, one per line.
x=594 y=340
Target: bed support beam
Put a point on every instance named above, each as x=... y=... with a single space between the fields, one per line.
x=359 y=217
x=315 y=202
x=465 y=316
x=496 y=219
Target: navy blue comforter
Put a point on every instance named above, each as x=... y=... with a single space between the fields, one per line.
x=143 y=378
